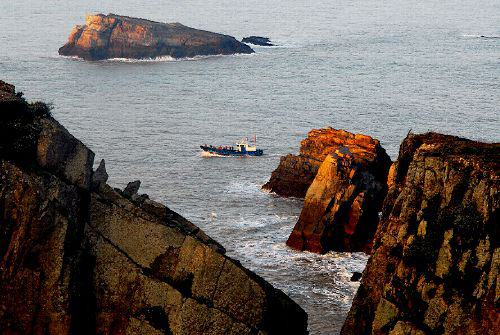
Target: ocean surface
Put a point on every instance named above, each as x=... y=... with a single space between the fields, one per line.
x=369 y=66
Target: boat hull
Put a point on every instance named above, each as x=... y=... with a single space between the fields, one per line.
x=223 y=152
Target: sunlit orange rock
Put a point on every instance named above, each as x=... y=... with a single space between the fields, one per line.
x=296 y=173
x=342 y=203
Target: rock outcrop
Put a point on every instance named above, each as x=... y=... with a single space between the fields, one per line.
x=342 y=204
x=436 y=258
x=258 y=40
x=295 y=174
x=79 y=257
x=100 y=176
x=115 y=36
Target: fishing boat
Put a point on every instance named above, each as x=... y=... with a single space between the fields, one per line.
x=242 y=148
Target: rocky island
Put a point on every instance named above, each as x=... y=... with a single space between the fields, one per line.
x=80 y=257
x=258 y=40
x=115 y=36
x=436 y=260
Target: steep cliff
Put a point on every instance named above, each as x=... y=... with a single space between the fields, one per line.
x=342 y=203
x=436 y=259
x=77 y=256
x=295 y=174
x=115 y=36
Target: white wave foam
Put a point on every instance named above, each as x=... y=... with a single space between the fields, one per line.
x=243 y=187
x=479 y=36
x=143 y=60
x=161 y=59
x=211 y=154
x=76 y=58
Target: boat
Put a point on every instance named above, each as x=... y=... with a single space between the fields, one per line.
x=242 y=148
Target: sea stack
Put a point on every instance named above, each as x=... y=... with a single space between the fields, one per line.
x=436 y=259
x=115 y=36
x=342 y=204
x=79 y=257
x=295 y=173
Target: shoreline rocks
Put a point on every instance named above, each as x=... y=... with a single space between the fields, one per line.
x=341 y=205
x=293 y=176
x=436 y=259
x=258 y=40
x=78 y=257
x=116 y=36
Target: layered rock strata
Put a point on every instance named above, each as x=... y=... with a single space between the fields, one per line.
x=79 y=257
x=295 y=173
x=342 y=204
x=115 y=36
x=436 y=259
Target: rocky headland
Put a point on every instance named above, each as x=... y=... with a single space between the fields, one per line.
x=115 y=36
x=435 y=264
x=79 y=257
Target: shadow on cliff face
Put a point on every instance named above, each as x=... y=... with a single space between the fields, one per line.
x=19 y=128
x=79 y=257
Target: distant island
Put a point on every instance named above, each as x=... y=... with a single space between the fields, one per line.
x=258 y=40
x=115 y=36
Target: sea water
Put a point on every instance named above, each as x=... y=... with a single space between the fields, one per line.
x=376 y=67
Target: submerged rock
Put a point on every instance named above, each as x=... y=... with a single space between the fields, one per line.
x=436 y=258
x=75 y=259
x=342 y=203
x=258 y=40
x=115 y=36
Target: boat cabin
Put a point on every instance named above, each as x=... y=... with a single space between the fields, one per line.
x=243 y=146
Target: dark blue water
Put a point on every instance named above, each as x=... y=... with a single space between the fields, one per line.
x=374 y=67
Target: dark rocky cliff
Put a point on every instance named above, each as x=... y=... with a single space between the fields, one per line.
x=77 y=256
x=436 y=259
x=115 y=36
